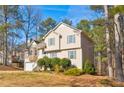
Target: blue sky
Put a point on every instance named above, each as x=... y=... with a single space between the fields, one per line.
x=72 y=12
x=59 y=12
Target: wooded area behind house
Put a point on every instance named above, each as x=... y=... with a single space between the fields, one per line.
x=107 y=32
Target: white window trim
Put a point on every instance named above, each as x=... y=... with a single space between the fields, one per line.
x=72 y=53
x=70 y=39
x=51 y=41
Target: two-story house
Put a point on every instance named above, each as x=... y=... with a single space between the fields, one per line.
x=65 y=41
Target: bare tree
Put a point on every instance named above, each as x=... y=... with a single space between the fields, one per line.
x=109 y=55
x=29 y=21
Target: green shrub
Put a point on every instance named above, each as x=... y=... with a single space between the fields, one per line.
x=41 y=62
x=57 y=68
x=55 y=64
x=55 y=61
x=1 y=63
x=47 y=62
x=88 y=67
x=105 y=82
x=73 y=72
x=65 y=63
x=73 y=66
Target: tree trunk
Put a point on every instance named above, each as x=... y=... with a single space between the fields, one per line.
x=113 y=64
x=109 y=55
x=3 y=47
x=121 y=27
x=5 y=35
x=27 y=41
x=99 y=64
x=118 y=53
x=5 y=50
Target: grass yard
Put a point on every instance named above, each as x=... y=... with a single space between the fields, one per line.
x=47 y=79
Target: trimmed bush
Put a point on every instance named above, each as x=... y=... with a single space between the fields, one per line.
x=55 y=64
x=41 y=62
x=65 y=63
x=88 y=67
x=47 y=62
x=55 y=61
x=73 y=72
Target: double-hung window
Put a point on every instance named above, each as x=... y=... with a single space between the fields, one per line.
x=51 y=41
x=71 y=39
x=72 y=54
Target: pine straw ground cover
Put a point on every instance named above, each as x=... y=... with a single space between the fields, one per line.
x=7 y=68
x=47 y=79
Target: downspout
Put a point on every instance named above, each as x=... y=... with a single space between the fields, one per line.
x=60 y=41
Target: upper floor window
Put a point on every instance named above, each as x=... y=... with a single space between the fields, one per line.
x=51 y=41
x=36 y=52
x=53 y=55
x=71 y=39
x=72 y=54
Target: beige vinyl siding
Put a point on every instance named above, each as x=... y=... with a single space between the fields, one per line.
x=51 y=41
x=65 y=31
x=53 y=54
x=55 y=43
x=61 y=43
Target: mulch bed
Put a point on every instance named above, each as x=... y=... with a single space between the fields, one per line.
x=8 y=68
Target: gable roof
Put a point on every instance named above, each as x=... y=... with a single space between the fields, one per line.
x=51 y=30
x=33 y=41
x=41 y=45
x=75 y=29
